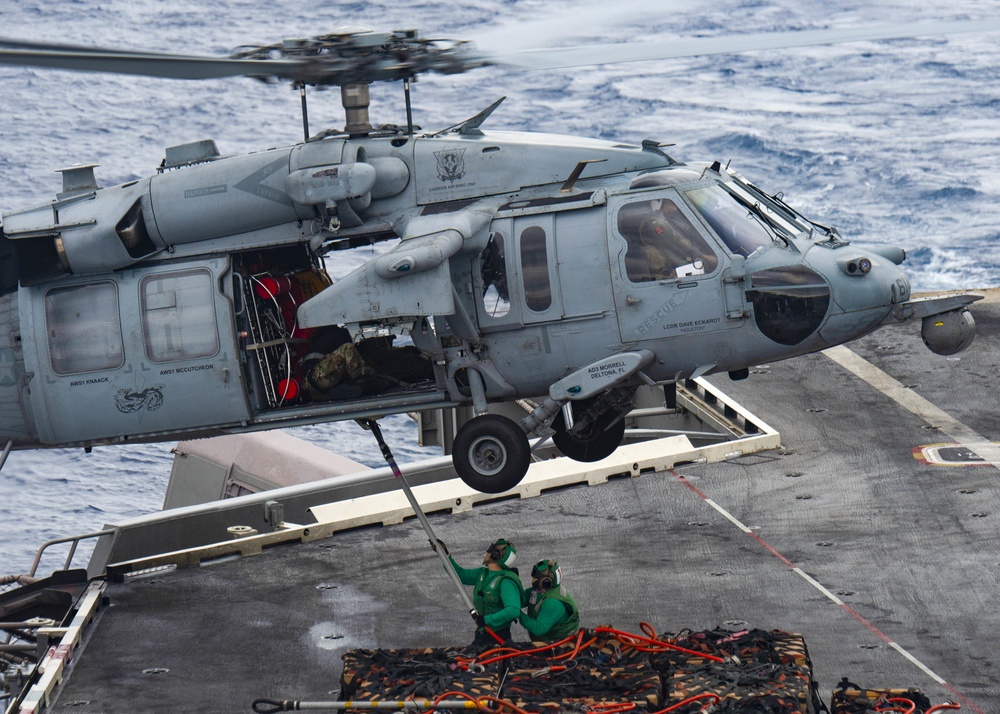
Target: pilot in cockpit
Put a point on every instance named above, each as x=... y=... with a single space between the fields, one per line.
x=663 y=236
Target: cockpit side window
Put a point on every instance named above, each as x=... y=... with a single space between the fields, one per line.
x=8 y=265
x=662 y=243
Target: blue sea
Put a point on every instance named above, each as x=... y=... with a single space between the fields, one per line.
x=892 y=142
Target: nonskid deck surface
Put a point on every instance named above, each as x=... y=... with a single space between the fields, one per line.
x=885 y=564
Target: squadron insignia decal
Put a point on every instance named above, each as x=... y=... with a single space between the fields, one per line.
x=450 y=164
x=149 y=399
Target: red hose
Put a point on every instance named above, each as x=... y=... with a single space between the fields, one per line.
x=478 y=701
x=690 y=700
x=514 y=653
x=502 y=703
x=659 y=644
x=942 y=707
x=580 y=644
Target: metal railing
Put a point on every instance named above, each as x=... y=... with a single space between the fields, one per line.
x=75 y=540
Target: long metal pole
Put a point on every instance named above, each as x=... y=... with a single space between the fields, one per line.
x=305 y=112
x=6 y=452
x=373 y=426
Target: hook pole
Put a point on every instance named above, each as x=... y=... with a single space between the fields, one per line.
x=305 y=112
x=373 y=427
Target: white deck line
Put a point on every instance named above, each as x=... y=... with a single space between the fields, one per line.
x=914 y=403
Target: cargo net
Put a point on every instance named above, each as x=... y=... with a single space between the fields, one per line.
x=849 y=698
x=592 y=671
x=604 y=671
x=397 y=675
x=748 y=670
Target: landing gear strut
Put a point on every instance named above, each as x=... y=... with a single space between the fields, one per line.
x=491 y=453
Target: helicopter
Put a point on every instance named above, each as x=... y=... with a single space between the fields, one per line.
x=556 y=269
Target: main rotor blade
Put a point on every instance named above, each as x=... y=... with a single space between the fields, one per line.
x=581 y=56
x=405 y=60
x=145 y=64
x=13 y=44
x=336 y=59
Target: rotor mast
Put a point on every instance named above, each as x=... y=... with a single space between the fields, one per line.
x=356 y=99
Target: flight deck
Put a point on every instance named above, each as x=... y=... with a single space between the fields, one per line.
x=871 y=530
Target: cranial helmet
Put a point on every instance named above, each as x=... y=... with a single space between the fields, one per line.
x=546 y=575
x=503 y=552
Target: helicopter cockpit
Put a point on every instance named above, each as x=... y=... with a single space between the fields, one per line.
x=662 y=243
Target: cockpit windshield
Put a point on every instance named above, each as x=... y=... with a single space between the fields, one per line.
x=784 y=219
x=737 y=224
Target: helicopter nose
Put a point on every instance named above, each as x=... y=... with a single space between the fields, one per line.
x=865 y=284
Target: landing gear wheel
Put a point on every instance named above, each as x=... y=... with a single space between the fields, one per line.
x=491 y=453
x=600 y=443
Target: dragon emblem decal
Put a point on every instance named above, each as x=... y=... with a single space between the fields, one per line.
x=450 y=164
x=149 y=399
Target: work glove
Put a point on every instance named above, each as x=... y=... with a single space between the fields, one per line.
x=479 y=620
x=441 y=543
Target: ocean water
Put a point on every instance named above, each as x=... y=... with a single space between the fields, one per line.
x=893 y=142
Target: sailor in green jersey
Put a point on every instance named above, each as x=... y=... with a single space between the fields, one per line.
x=496 y=591
x=552 y=613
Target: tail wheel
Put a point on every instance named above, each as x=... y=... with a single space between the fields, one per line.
x=597 y=442
x=491 y=453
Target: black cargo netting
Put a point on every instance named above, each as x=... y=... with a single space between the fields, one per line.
x=849 y=698
x=396 y=675
x=608 y=671
x=761 y=671
x=600 y=670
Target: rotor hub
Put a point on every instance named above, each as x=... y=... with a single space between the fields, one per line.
x=356 y=56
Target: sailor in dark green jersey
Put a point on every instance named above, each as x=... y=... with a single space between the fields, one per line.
x=552 y=613
x=496 y=591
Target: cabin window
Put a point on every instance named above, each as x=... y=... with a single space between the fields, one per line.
x=178 y=316
x=496 y=298
x=535 y=269
x=83 y=328
x=662 y=243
